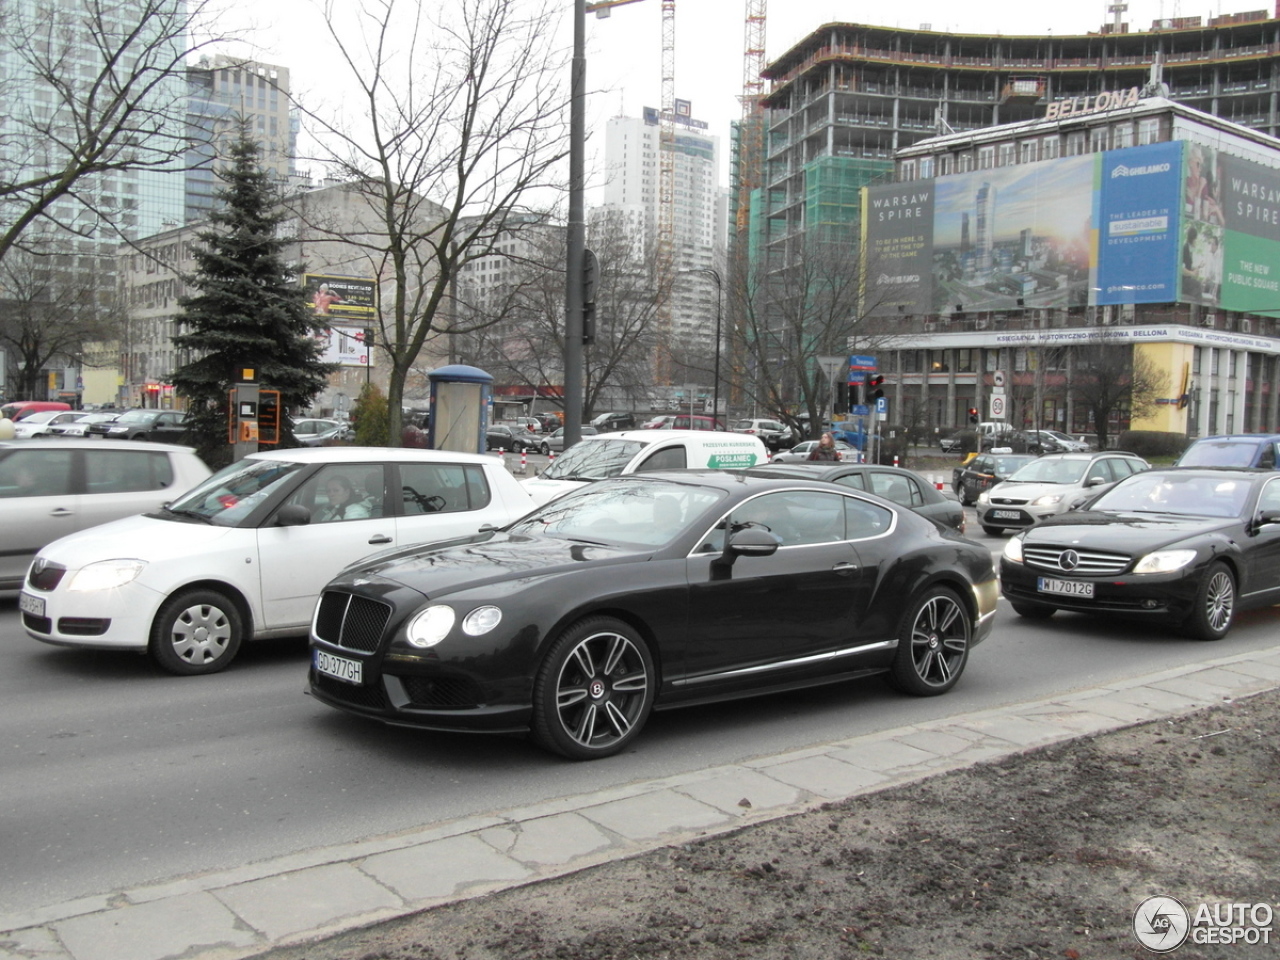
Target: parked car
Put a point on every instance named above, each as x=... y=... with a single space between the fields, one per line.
x=682 y=421
x=983 y=472
x=58 y=487
x=632 y=451
x=893 y=483
x=39 y=423
x=501 y=436
x=656 y=423
x=650 y=591
x=1067 y=443
x=554 y=442
x=801 y=452
x=610 y=422
x=532 y=424
x=80 y=425
x=550 y=423
x=1052 y=484
x=950 y=443
x=16 y=410
x=143 y=424
x=245 y=554
x=1233 y=450
x=1184 y=546
x=312 y=432
x=774 y=433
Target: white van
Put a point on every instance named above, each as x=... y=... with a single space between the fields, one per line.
x=608 y=455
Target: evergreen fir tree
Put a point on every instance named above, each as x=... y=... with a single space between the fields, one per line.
x=249 y=310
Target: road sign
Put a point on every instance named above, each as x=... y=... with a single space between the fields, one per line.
x=882 y=408
x=861 y=361
x=997 y=407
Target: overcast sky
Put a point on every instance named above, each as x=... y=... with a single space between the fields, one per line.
x=624 y=50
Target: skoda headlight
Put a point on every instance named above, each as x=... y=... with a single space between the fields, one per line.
x=1164 y=561
x=481 y=620
x=1013 y=549
x=105 y=575
x=1048 y=500
x=430 y=626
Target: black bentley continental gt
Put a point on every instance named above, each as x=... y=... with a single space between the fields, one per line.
x=650 y=591
x=1183 y=546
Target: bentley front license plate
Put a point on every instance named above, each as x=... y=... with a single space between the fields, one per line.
x=340 y=667
x=1072 y=588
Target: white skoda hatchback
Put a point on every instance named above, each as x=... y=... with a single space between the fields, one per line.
x=245 y=554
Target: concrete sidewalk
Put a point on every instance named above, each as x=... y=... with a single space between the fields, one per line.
x=241 y=912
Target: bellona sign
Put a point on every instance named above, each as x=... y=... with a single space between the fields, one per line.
x=1077 y=106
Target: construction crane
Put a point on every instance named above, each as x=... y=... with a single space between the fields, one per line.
x=751 y=130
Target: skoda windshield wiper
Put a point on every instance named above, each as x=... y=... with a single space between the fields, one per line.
x=193 y=514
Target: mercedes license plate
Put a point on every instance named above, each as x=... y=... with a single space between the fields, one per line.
x=1005 y=514
x=32 y=605
x=352 y=671
x=1070 y=588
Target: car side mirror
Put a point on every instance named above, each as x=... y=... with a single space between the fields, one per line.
x=293 y=515
x=1096 y=482
x=1267 y=517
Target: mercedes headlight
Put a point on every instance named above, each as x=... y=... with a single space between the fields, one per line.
x=1013 y=549
x=481 y=620
x=105 y=575
x=428 y=627
x=1164 y=561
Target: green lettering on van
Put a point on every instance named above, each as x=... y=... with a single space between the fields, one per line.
x=732 y=461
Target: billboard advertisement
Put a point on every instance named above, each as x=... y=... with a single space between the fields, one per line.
x=344 y=346
x=354 y=298
x=1099 y=228
x=1231 y=234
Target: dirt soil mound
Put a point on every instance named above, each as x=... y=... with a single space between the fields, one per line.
x=1044 y=854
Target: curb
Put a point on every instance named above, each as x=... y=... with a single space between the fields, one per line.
x=302 y=897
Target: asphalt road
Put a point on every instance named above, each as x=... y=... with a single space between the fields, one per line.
x=112 y=774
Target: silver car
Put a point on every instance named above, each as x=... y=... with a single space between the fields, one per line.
x=58 y=487
x=801 y=452
x=554 y=442
x=1052 y=484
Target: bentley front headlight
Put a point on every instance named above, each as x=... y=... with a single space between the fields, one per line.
x=481 y=620
x=431 y=625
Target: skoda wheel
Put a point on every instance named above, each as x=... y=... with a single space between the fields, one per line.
x=594 y=690
x=933 y=644
x=196 y=632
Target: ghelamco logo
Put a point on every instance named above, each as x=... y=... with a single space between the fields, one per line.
x=1120 y=170
x=1162 y=924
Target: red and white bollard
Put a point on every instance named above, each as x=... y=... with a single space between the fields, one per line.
x=895 y=461
x=524 y=461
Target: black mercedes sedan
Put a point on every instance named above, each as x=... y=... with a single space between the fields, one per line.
x=1183 y=546
x=650 y=591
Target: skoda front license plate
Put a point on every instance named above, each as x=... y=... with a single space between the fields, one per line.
x=339 y=667
x=32 y=605
x=1071 y=588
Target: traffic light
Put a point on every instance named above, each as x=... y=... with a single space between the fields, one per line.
x=973 y=414
x=368 y=338
x=875 y=387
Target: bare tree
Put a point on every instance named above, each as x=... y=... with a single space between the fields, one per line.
x=517 y=334
x=1111 y=376
x=49 y=311
x=69 y=117
x=459 y=118
x=787 y=318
